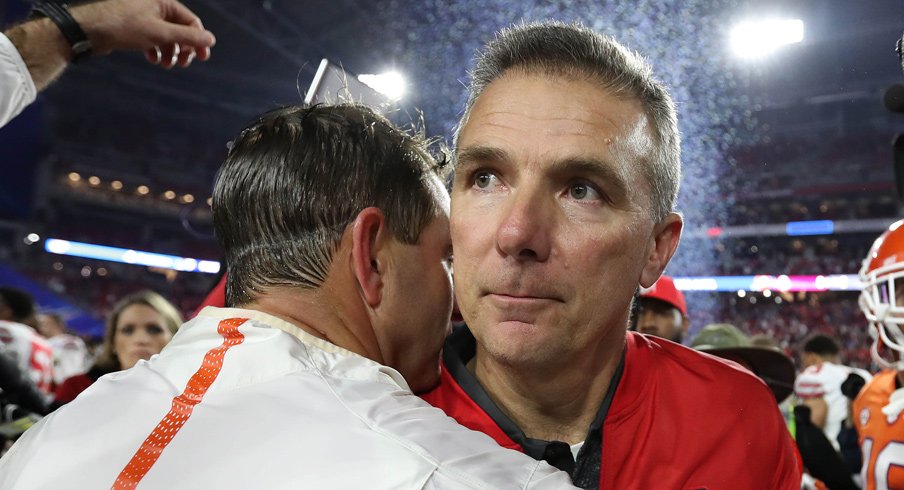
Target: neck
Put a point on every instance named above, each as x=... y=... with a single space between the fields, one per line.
x=328 y=312
x=551 y=403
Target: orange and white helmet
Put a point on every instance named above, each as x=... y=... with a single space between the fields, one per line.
x=880 y=299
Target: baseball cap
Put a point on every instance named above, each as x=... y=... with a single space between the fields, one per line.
x=664 y=290
x=770 y=364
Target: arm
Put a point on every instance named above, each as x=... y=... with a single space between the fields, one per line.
x=819 y=409
x=165 y=30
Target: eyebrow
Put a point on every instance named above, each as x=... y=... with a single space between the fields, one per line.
x=474 y=154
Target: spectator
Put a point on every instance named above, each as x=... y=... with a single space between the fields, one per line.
x=662 y=311
x=20 y=342
x=70 y=355
x=139 y=326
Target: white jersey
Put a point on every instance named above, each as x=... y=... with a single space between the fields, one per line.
x=31 y=353
x=70 y=356
x=240 y=399
x=824 y=381
x=18 y=89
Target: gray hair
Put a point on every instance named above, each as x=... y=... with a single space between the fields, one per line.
x=574 y=51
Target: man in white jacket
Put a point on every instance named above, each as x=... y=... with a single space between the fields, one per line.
x=34 y=53
x=335 y=229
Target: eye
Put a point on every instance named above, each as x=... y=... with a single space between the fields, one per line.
x=483 y=179
x=127 y=329
x=583 y=192
x=154 y=329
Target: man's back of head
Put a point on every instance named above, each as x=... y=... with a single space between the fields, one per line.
x=335 y=205
x=820 y=348
x=17 y=306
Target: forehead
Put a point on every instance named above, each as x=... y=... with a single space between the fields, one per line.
x=546 y=117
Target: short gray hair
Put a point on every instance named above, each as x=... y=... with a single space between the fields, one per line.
x=572 y=50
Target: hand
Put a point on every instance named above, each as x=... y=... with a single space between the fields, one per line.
x=165 y=30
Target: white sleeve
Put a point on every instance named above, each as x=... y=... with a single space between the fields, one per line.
x=17 y=89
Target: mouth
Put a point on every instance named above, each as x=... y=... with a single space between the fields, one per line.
x=521 y=299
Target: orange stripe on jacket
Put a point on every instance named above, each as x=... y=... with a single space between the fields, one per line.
x=183 y=406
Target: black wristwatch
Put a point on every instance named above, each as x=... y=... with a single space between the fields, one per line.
x=59 y=15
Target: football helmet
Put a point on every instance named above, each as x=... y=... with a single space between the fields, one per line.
x=882 y=296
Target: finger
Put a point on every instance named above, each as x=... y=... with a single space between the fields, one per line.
x=170 y=55
x=153 y=55
x=163 y=33
x=203 y=54
x=186 y=56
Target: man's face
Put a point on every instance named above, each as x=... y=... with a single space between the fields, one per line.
x=550 y=217
x=419 y=296
x=659 y=318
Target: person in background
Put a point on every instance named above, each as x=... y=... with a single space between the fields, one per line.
x=662 y=311
x=19 y=340
x=877 y=409
x=138 y=327
x=819 y=387
x=770 y=364
x=34 y=53
x=70 y=355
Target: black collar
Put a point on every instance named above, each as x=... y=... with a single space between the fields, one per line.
x=461 y=347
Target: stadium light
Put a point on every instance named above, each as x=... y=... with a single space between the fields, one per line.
x=755 y=39
x=391 y=84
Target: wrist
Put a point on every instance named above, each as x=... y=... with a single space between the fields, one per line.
x=59 y=15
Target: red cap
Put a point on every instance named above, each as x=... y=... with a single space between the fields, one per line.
x=664 y=290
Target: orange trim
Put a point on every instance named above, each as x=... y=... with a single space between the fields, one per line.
x=182 y=408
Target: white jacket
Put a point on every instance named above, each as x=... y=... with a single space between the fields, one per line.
x=17 y=89
x=263 y=405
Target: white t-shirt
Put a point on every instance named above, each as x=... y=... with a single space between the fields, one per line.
x=824 y=381
x=31 y=352
x=70 y=356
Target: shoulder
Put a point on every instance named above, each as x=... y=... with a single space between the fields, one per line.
x=688 y=377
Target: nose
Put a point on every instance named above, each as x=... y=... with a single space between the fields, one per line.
x=524 y=233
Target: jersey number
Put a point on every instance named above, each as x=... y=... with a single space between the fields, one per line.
x=891 y=455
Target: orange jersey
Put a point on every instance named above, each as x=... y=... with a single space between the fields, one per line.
x=881 y=438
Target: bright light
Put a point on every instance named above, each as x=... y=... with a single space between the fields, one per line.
x=32 y=238
x=188 y=198
x=143 y=190
x=210 y=201
x=756 y=39
x=391 y=84
x=767 y=293
x=741 y=293
x=94 y=180
x=169 y=195
x=137 y=257
x=74 y=176
x=116 y=185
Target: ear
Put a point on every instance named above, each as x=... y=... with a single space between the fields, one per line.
x=666 y=235
x=368 y=237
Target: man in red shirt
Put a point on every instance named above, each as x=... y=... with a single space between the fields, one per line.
x=562 y=207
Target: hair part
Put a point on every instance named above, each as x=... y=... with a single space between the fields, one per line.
x=576 y=52
x=108 y=361
x=298 y=176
